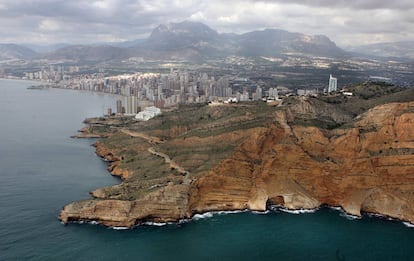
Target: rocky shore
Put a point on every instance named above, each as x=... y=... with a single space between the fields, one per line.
x=251 y=157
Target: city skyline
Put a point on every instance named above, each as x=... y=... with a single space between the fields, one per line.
x=78 y=22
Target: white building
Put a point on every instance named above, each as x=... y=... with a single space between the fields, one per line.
x=148 y=113
x=333 y=82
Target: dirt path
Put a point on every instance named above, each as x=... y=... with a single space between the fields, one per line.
x=150 y=139
x=173 y=164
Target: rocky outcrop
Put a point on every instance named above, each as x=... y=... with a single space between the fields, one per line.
x=167 y=204
x=367 y=166
x=114 y=160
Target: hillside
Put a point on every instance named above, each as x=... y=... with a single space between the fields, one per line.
x=14 y=51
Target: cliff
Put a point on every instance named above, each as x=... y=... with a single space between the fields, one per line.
x=252 y=156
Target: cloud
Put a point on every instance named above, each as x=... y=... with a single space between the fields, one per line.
x=49 y=25
x=350 y=4
x=77 y=21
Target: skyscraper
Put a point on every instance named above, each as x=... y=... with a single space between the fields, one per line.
x=119 y=106
x=333 y=82
x=131 y=105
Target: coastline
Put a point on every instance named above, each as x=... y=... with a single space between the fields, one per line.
x=114 y=169
x=364 y=167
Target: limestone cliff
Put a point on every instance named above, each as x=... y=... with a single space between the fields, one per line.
x=366 y=165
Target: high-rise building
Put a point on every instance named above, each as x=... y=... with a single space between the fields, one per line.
x=131 y=105
x=259 y=93
x=273 y=94
x=333 y=82
x=119 y=106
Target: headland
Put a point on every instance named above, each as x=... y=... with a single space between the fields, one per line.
x=354 y=152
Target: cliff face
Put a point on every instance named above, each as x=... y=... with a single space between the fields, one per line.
x=367 y=166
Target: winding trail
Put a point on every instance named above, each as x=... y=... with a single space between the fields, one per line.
x=156 y=140
x=150 y=139
x=172 y=163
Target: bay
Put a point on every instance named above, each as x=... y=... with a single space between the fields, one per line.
x=42 y=169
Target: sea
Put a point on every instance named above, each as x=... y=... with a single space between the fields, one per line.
x=42 y=169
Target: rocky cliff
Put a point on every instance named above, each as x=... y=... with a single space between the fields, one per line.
x=366 y=165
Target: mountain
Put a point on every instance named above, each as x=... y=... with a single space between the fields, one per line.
x=14 y=51
x=197 y=40
x=275 y=42
x=183 y=41
x=396 y=49
x=87 y=53
x=186 y=34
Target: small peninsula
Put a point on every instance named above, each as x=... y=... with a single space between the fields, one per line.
x=354 y=152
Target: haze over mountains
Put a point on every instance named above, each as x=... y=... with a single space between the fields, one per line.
x=397 y=49
x=197 y=41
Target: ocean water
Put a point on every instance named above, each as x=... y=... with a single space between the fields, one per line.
x=42 y=169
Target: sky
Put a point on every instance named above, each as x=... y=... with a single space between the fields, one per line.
x=346 y=22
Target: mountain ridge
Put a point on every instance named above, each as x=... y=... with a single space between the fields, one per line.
x=194 y=41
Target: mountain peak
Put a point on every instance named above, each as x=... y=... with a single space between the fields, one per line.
x=180 y=35
x=184 y=29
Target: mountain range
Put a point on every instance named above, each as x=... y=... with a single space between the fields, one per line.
x=186 y=40
x=403 y=49
x=14 y=51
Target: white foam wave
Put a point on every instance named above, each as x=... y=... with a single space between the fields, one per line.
x=261 y=212
x=337 y=208
x=298 y=211
x=212 y=213
x=230 y=212
x=157 y=224
x=120 y=228
x=408 y=224
x=202 y=216
x=349 y=216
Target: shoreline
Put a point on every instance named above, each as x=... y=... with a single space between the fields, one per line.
x=114 y=170
x=272 y=210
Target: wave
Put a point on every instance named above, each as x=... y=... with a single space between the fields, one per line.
x=261 y=212
x=157 y=224
x=120 y=228
x=202 y=216
x=293 y=211
x=346 y=215
x=349 y=216
x=212 y=213
x=337 y=208
x=298 y=211
x=408 y=224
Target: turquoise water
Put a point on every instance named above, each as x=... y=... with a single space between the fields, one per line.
x=42 y=169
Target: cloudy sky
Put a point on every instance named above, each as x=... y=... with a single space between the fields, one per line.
x=347 y=22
